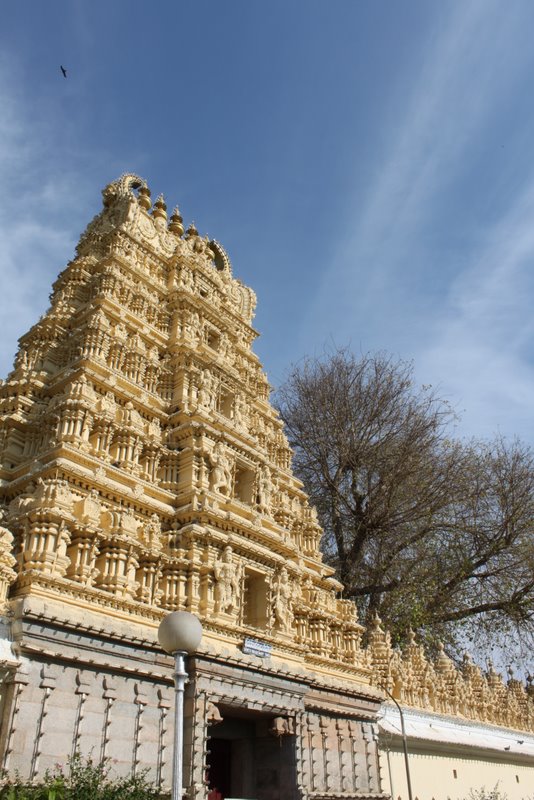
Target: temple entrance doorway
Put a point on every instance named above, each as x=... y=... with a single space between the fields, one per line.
x=247 y=762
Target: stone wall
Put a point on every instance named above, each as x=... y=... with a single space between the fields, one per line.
x=79 y=682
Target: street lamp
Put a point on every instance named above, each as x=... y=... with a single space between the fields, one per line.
x=404 y=743
x=179 y=633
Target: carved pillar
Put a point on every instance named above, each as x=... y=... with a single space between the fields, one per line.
x=16 y=683
x=195 y=742
x=207 y=602
x=302 y=755
x=82 y=553
x=312 y=752
x=47 y=684
x=109 y=694
x=44 y=547
x=117 y=564
x=164 y=703
x=140 y=701
x=344 y=754
x=329 y=771
x=371 y=753
x=101 y=438
x=82 y=690
x=354 y=732
x=173 y=585
x=7 y=562
x=148 y=576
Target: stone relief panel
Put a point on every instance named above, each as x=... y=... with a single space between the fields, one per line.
x=227 y=576
x=221 y=472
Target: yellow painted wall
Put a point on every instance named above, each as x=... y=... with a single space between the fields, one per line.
x=446 y=776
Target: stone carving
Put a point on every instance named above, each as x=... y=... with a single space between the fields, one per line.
x=227 y=583
x=213 y=715
x=131 y=416
x=206 y=390
x=240 y=412
x=282 y=601
x=152 y=532
x=7 y=560
x=282 y=726
x=107 y=404
x=192 y=321
x=89 y=509
x=265 y=490
x=440 y=686
x=221 y=473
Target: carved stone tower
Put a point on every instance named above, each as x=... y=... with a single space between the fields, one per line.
x=143 y=470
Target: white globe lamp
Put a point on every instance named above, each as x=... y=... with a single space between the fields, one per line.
x=179 y=634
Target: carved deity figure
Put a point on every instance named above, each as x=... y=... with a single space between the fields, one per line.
x=206 y=389
x=131 y=416
x=7 y=560
x=192 y=325
x=154 y=429
x=221 y=474
x=107 y=403
x=227 y=582
x=90 y=508
x=282 y=600
x=120 y=332
x=240 y=411
x=265 y=490
x=21 y=361
x=6 y=537
x=152 y=531
x=186 y=279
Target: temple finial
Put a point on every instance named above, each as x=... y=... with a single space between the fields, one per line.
x=160 y=208
x=176 y=222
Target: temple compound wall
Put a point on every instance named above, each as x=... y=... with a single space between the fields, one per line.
x=465 y=729
x=142 y=471
x=449 y=756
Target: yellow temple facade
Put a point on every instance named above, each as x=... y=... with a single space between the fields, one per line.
x=143 y=470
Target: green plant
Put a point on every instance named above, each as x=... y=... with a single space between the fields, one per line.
x=84 y=779
x=486 y=794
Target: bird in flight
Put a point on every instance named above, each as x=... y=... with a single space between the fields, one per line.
x=64 y=71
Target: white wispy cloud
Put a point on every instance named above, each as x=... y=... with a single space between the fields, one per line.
x=40 y=204
x=378 y=288
x=482 y=339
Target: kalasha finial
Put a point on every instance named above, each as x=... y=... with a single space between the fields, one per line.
x=143 y=197
x=160 y=208
x=175 y=224
x=191 y=231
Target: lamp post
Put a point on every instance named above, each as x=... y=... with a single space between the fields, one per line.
x=179 y=633
x=404 y=743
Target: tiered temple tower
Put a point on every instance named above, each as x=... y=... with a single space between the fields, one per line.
x=143 y=470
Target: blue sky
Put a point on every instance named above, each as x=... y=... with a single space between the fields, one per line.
x=367 y=165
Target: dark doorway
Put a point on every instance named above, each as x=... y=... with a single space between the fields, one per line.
x=219 y=767
x=246 y=761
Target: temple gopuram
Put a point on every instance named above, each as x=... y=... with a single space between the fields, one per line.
x=143 y=470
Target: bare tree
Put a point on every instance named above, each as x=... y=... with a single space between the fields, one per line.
x=430 y=532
